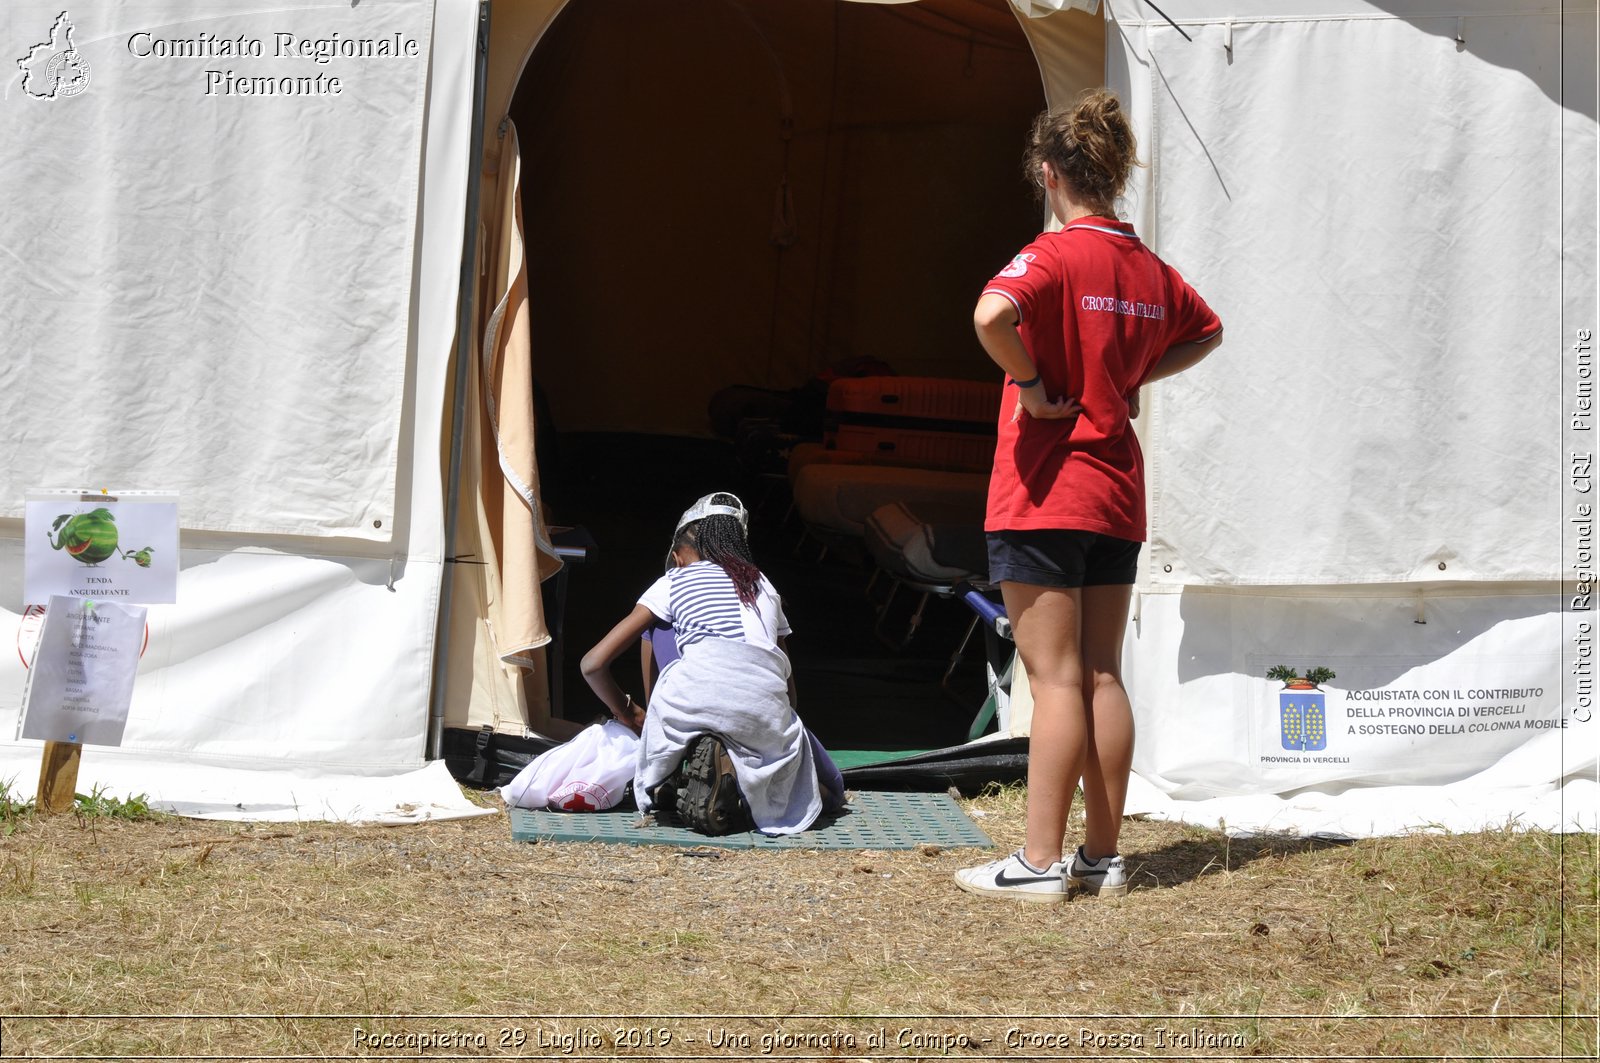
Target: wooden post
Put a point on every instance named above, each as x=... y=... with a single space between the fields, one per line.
x=58 y=777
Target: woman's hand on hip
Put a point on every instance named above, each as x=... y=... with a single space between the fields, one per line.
x=1033 y=402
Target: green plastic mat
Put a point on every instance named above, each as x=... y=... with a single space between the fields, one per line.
x=874 y=820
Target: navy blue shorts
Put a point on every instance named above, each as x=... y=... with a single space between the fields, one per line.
x=1049 y=557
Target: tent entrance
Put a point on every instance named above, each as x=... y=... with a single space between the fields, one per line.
x=721 y=193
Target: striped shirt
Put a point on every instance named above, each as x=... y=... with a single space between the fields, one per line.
x=701 y=602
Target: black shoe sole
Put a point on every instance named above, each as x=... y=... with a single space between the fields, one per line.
x=664 y=799
x=708 y=797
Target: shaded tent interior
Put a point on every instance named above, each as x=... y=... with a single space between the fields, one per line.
x=721 y=193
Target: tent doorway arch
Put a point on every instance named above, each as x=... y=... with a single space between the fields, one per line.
x=663 y=259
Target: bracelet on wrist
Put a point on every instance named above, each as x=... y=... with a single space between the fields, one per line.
x=1027 y=383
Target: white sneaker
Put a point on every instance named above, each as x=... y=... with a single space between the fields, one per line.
x=1014 y=877
x=1105 y=877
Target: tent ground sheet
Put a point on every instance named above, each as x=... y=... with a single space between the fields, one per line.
x=874 y=820
x=856 y=758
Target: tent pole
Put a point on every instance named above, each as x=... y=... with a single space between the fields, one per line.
x=466 y=348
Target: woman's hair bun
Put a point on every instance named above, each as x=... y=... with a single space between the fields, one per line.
x=1090 y=145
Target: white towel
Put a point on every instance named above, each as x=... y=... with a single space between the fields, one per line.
x=587 y=774
x=739 y=693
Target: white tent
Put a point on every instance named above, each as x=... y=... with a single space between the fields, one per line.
x=245 y=291
x=252 y=299
x=1392 y=206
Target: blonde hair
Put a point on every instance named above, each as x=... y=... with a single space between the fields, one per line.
x=1089 y=145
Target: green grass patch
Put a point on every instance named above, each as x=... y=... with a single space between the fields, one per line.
x=14 y=809
x=96 y=805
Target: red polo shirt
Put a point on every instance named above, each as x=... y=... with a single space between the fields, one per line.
x=1098 y=309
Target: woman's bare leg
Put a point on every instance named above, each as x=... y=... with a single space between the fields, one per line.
x=1044 y=625
x=1109 y=747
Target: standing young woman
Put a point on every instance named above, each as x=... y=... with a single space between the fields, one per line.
x=1079 y=321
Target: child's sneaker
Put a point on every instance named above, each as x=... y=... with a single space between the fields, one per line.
x=1105 y=877
x=708 y=798
x=1014 y=877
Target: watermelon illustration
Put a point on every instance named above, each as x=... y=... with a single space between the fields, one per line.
x=89 y=537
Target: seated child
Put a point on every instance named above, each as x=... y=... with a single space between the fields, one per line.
x=720 y=738
x=658 y=647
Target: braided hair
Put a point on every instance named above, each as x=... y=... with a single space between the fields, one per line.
x=720 y=539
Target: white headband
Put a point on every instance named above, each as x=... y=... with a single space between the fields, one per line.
x=704 y=507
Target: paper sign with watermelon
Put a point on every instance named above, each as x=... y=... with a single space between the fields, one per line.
x=101 y=545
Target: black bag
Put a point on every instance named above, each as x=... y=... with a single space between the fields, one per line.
x=485 y=759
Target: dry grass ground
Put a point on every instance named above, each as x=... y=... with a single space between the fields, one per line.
x=1432 y=946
